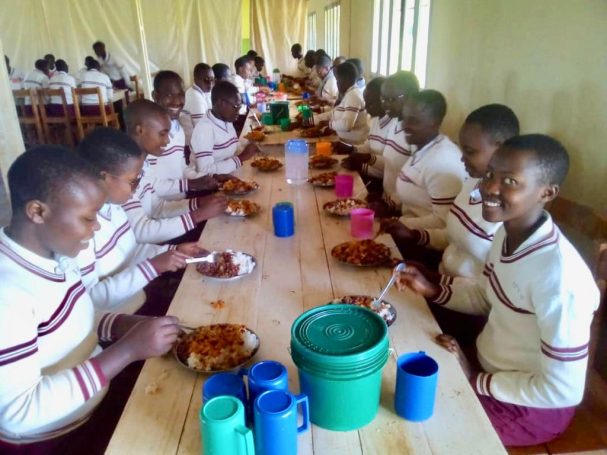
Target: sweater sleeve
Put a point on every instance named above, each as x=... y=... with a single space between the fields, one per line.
x=150 y=230
x=465 y=295
x=344 y=116
x=560 y=376
x=168 y=209
x=170 y=187
x=436 y=238
x=203 y=140
x=30 y=399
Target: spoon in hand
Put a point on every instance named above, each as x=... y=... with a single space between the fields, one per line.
x=399 y=268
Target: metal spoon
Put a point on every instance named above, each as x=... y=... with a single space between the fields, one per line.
x=399 y=268
x=207 y=258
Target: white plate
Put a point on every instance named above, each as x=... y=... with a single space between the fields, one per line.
x=212 y=257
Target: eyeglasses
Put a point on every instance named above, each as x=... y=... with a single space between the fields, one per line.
x=233 y=106
x=133 y=183
x=392 y=99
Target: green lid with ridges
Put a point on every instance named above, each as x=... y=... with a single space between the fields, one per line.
x=339 y=335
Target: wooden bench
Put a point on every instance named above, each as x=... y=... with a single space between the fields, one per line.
x=587 y=230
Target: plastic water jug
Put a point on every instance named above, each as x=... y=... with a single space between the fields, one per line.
x=296 y=160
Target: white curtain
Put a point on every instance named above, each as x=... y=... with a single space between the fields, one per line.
x=179 y=33
x=275 y=26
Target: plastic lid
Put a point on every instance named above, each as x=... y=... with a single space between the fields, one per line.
x=339 y=333
x=297 y=146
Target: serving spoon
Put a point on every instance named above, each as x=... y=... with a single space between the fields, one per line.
x=399 y=268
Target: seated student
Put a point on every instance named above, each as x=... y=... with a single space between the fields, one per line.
x=64 y=81
x=430 y=180
x=539 y=296
x=260 y=67
x=80 y=74
x=215 y=145
x=222 y=72
x=242 y=79
x=348 y=119
x=467 y=237
x=37 y=78
x=115 y=267
x=198 y=96
x=15 y=75
x=113 y=68
x=53 y=373
x=50 y=58
x=360 y=82
x=93 y=78
x=327 y=90
x=152 y=218
x=303 y=70
x=312 y=80
x=367 y=158
x=394 y=93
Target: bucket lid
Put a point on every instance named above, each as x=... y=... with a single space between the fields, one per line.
x=339 y=334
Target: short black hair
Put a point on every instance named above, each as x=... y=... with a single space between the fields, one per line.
x=200 y=68
x=220 y=70
x=41 y=64
x=108 y=149
x=242 y=61
x=259 y=61
x=137 y=111
x=358 y=64
x=375 y=85
x=310 y=58
x=165 y=76
x=91 y=63
x=296 y=48
x=42 y=172
x=87 y=60
x=49 y=57
x=223 y=90
x=433 y=102
x=252 y=53
x=98 y=43
x=498 y=121
x=346 y=71
x=551 y=156
x=324 y=61
x=406 y=81
x=61 y=65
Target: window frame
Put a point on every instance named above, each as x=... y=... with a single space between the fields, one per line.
x=332 y=29
x=311 y=22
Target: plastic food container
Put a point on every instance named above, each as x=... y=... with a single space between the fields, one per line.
x=340 y=352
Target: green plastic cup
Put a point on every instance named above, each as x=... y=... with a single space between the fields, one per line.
x=340 y=352
x=267 y=118
x=223 y=430
x=285 y=123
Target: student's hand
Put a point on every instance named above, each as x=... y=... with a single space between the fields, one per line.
x=222 y=178
x=323 y=123
x=204 y=183
x=381 y=209
x=151 y=337
x=248 y=152
x=192 y=249
x=413 y=279
x=341 y=148
x=169 y=261
x=209 y=207
x=327 y=131
x=397 y=230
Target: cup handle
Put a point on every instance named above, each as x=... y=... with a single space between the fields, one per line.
x=243 y=372
x=303 y=400
x=247 y=440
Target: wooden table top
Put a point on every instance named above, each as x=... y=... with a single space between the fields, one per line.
x=293 y=275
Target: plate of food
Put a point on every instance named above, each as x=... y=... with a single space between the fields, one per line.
x=384 y=309
x=343 y=207
x=241 y=207
x=322 y=162
x=217 y=347
x=314 y=131
x=362 y=253
x=237 y=187
x=266 y=164
x=326 y=179
x=226 y=265
x=255 y=136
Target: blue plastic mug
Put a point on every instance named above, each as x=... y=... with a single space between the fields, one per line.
x=416 y=376
x=266 y=375
x=275 y=430
x=283 y=219
x=224 y=384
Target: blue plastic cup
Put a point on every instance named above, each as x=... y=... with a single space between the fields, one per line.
x=416 y=376
x=275 y=429
x=266 y=375
x=224 y=384
x=283 y=219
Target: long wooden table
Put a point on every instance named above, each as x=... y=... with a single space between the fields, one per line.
x=293 y=275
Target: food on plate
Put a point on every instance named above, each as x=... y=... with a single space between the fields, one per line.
x=227 y=264
x=256 y=136
x=217 y=347
x=322 y=162
x=237 y=207
x=362 y=252
x=266 y=164
x=326 y=179
x=315 y=131
x=237 y=186
x=343 y=207
x=384 y=309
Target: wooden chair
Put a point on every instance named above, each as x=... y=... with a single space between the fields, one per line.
x=29 y=116
x=138 y=95
x=84 y=123
x=52 y=123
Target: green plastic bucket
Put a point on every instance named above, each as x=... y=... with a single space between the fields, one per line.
x=340 y=352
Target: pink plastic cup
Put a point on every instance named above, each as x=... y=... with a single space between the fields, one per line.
x=344 y=185
x=361 y=223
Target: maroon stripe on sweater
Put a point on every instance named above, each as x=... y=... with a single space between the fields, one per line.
x=469 y=224
x=501 y=295
x=551 y=238
x=57 y=278
x=113 y=241
x=63 y=310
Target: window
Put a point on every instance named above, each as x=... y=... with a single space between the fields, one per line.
x=311 y=31
x=332 y=29
x=400 y=37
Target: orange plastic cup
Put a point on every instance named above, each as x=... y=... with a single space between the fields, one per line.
x=323 y=148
